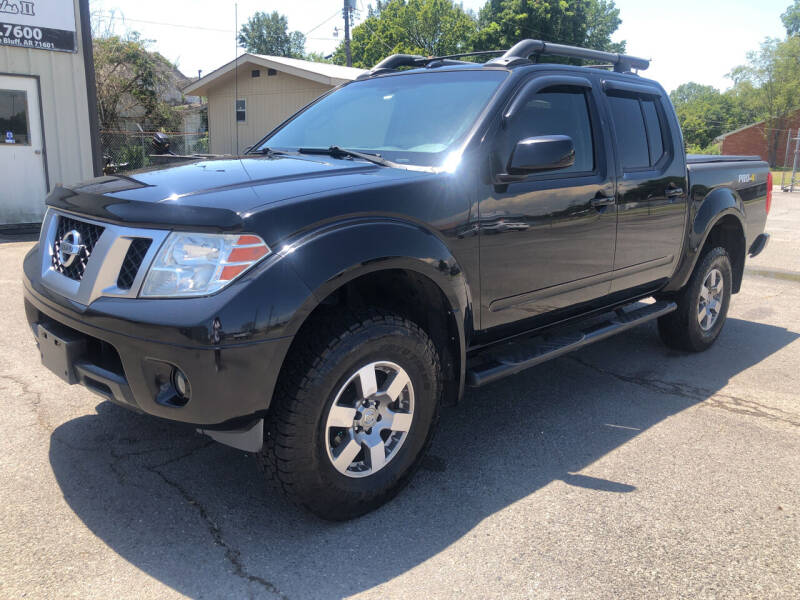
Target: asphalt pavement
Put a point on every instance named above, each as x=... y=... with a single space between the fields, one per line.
x=625 y=470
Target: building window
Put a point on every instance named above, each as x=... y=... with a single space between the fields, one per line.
x=271 y=72
x=255 y=73
x=14 y=117
x=241 y=110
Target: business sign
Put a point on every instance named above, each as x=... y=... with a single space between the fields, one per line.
x=38 y=24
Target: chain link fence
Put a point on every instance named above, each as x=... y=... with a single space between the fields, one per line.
x=128 y=150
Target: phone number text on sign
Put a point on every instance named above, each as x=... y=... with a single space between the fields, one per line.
x=25 y=36
x=21 y=31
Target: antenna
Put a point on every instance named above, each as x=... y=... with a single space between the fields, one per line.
x=236 y=75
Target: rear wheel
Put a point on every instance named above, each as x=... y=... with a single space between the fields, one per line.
x=354 y=412
x=702 y=305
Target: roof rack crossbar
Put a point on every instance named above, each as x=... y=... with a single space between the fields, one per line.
x=398 y=60
x=521 y=51
x=463 y=54
x=414 y=60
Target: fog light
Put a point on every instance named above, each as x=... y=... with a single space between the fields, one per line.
x=181 y=384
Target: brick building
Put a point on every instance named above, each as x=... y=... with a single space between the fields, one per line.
x=759 y=139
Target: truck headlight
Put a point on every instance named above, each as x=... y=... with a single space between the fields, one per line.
x=198 y=264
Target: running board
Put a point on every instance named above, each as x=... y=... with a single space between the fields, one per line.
x=516 y=356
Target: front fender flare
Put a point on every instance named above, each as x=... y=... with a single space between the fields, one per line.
x=328 y=258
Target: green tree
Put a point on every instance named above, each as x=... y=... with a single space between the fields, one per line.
x=269 y=34
x=131 y=81
x=791 y=18
x=772 y=81
x=704 y=113
x=425 y=27
x=589 y=23
x=317 y=57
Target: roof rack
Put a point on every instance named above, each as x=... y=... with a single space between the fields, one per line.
x=522 y=51
x=390 y=63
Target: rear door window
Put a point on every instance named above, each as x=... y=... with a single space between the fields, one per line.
x=631 y=132
x=640 y=140
x=655 y=139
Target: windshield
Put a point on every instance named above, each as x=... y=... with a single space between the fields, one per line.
x=409 y=119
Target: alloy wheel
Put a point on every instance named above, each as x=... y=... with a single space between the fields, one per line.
x=369 y=419
x=709 y=303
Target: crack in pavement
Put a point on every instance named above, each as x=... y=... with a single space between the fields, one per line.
x=26 y=392
x=119 y=457
x=233 y=555
x=713 y=399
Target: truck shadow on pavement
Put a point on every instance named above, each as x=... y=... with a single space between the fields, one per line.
x=199 y=517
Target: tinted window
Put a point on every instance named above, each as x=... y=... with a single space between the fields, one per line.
x=413 y=118
x=557 y=113
x=654 y=136
x=13 y=117
x=631 y=133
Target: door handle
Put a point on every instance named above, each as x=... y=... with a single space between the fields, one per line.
x=673 y=192
x=600 y=201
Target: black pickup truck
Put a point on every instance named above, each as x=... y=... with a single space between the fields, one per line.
x=435 y=224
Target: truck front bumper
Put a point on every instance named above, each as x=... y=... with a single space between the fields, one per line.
x=133 y=360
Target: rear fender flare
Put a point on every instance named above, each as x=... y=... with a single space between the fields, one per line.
x=714 y=207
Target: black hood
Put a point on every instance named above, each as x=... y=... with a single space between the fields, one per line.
x=216 y=193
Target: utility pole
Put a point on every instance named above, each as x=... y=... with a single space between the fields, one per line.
x=346 y=11
x=786 y=156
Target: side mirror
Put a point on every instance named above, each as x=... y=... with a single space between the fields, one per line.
x=541 y=153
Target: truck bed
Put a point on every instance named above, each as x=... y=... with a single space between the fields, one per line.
x=714 y=158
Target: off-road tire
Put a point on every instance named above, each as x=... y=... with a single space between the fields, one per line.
x=329 y=350
x=681 y=329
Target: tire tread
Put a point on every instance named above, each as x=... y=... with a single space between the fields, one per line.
x=293 y=404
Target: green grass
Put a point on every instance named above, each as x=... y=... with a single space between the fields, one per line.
x=776 y=175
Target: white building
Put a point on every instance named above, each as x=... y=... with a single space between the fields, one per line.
x=249 y=96
x=48 y=127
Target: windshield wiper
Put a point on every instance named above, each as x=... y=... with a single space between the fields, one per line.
x=267 y=151
x=337 y=152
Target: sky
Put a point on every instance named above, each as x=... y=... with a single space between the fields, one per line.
x=687 y=40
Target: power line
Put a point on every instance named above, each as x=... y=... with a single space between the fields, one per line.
x=112 y=17
x=372 y=31
x=336 y=14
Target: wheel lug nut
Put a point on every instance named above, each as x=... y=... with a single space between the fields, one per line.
x=358 y=416
x=379 y=417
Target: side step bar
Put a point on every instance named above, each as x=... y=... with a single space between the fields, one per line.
x=516 y=356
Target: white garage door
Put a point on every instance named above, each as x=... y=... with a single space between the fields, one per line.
x=22 y=175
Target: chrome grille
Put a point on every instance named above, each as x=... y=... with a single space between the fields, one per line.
x=89 y=234
x=108 y=260
x=132 y=262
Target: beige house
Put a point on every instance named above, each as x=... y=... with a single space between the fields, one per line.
x=266 y=90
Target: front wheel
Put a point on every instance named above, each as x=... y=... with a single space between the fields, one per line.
x=354 y=411
x=702 y=305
